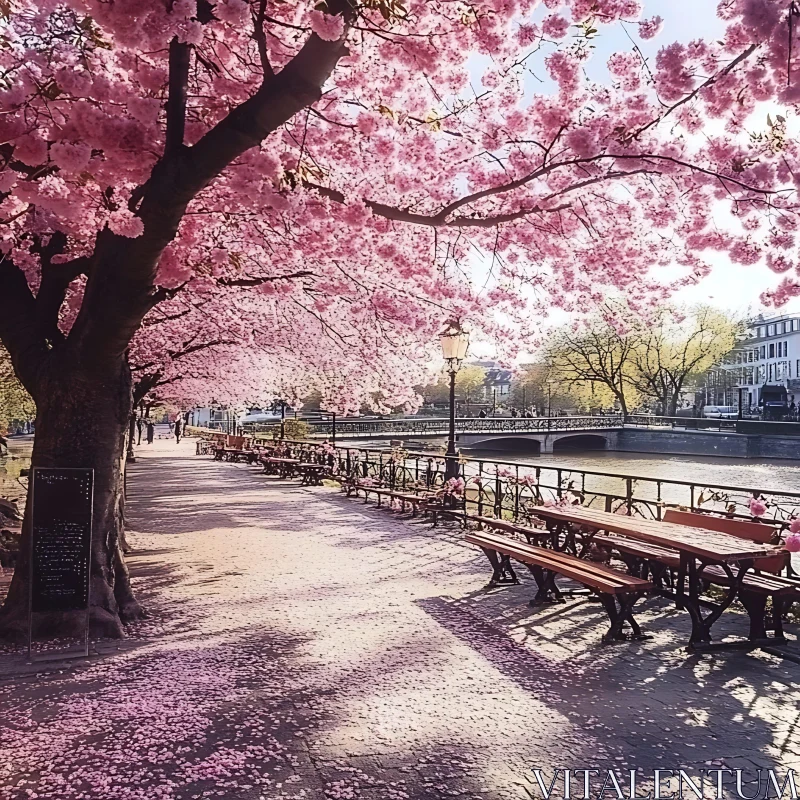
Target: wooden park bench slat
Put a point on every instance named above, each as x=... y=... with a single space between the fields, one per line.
x=530 y=534
x=644 y=550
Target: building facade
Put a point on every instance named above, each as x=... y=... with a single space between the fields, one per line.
x=770 y=355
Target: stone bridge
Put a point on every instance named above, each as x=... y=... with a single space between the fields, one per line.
x=493 y=433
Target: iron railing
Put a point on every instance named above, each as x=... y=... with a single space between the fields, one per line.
x=511 y=489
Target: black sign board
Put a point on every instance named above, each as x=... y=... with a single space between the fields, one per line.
x=62 y=539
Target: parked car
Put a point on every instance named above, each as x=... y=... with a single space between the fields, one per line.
x=720 y=412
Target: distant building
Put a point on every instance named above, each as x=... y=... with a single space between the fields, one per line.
x=769 y=355
x=496 y=384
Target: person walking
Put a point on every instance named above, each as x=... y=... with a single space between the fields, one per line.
x=139 y=426
x=151 y=431
x=178 y=429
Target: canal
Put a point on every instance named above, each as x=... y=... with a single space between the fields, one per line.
x=766 y=474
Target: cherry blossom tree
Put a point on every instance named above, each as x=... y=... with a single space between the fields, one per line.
x=344 y=169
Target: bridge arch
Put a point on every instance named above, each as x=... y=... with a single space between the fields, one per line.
x=580 y=441
x=509 y=444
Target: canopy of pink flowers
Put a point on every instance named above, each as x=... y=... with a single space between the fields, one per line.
x=415 y=189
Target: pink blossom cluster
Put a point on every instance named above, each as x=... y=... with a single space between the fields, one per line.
x=326 y=257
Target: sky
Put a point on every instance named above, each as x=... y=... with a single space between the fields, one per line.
x=730 y=287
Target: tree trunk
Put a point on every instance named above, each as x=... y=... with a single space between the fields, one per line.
x=623 y=406
x=82 y=419
x=673 y=405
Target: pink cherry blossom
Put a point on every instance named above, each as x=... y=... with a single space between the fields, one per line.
x=792 y=543
x=554 y=26
x=649 y=28
x=757 y=507
x=326 y=26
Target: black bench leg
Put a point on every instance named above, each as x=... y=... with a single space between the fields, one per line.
x=614 y=633
x=755 y=605
x=680 y=586
x=547 y=590
x=777 y=616
x=502 y=571
x=659 y=573
x=619 y=616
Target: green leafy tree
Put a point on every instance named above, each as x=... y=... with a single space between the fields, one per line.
x=16 y=404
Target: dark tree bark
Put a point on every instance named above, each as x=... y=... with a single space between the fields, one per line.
x=81 y=382
x=81 y=421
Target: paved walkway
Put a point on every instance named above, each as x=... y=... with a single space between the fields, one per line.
x=303 y=645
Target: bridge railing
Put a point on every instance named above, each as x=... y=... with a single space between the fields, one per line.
x=510 y=489
x=750 y=426
x=439 y=425
x=432 y=426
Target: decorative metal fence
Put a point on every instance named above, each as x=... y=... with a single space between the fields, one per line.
x=510 y=489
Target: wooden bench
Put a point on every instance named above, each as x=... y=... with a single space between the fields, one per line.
x=530 y=534
x=380 y=492
x=311 y=474
x=428 y=502
x=753 y=594
x=751 y=531
x=643 y=559
x=617 y=591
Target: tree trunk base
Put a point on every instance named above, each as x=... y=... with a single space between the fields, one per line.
x=103 y=624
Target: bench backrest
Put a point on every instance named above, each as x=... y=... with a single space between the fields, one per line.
x=752 y=531
x=235 y=442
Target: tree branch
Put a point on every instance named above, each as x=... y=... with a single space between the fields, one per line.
x=261 y=39
x=56 y=279
x=179 y=61
x=261 y=281
x=18 y=325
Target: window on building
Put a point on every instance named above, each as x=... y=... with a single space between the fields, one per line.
x=796 y=324
x=763 y=351
x=750 y=356
x=770 y=373
x=772 y=351
x=785 y=327
x=770 y=330
x=761 y=333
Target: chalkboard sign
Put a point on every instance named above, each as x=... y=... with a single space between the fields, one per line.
x=62 y=539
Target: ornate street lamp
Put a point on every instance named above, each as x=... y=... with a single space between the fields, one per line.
x=455 y=341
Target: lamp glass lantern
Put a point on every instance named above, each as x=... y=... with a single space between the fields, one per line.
x=455 y=342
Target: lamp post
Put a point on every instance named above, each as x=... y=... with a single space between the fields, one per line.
x=454 y=341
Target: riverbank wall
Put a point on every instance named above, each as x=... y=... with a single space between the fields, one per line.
x=706 y=443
